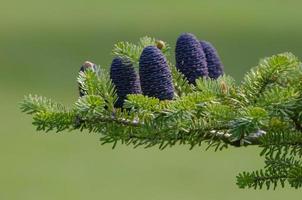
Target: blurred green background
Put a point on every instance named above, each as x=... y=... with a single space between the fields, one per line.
x=42 y=45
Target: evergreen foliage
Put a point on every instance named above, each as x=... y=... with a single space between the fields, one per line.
x=264 y=110
x=83 y=68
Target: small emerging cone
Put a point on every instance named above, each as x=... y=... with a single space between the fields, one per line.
x=215 y=66
x=125 y=79
x=190 y=57
x=86 y=65
x=155 y=75
x=160 y=44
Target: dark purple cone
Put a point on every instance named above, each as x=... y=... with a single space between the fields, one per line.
x=125 y=79
x=155 y=75
x=85 y=66
x=215 y=66
x=190 y=58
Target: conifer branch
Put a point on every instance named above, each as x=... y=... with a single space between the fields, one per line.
x=264 y=110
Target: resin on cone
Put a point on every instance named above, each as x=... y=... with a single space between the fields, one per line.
x=125 y=79
x=155 y=75
x=190 y=57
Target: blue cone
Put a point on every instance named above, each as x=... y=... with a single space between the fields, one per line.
x=215 y=66
x=190 y=57
x=125 y=79
x=155 y=75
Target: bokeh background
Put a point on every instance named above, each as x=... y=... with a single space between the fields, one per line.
x=44 y=42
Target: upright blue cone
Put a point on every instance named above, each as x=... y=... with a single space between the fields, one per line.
x=190 y=57
x=215 y=66
x=125 y=79
x=155 y=75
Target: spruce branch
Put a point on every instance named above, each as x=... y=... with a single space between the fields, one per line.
x=282 y=143
x=278 y=170
x=47 y=115
x=97 y=82
x=278 y=70
x=33 y=104
x=264 y=110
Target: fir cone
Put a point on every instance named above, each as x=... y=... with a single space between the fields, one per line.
x=85 y=66
x=155 y=75
x=190 y=58
x=215 y=66
x=125 y=79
